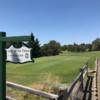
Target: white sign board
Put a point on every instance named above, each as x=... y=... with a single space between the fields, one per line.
x=18 y=55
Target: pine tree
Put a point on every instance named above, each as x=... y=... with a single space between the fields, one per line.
x=34 y=44
x=36 y=48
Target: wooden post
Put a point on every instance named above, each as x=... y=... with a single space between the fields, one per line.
x=2 y=68
x=81 y=79
x=87 y=69
x=65 y=95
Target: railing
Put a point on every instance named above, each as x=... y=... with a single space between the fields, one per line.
x=9 y=98
x=31 y=91
x=79 y=80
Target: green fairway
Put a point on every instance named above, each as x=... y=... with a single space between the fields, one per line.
x=54 y=69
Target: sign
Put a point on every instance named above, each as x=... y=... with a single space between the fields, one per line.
x=18 y=55
x=3 y=40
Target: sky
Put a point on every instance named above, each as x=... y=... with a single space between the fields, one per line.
x=66 y=21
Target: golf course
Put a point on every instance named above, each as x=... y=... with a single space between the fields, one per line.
x=52 y=70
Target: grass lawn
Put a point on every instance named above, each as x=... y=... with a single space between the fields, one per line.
x=52 y=70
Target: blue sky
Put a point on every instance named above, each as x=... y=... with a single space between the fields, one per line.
x=66 y=21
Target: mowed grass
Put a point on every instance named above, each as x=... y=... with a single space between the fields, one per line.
x=54 y=69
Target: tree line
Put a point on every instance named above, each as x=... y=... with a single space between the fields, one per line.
x=54 y=48
x=94 y=46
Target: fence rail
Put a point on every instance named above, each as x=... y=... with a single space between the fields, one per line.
x=9 y=98
x=32 y=91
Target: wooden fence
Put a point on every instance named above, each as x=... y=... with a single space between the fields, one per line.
x=77 y=85
x=32 y=91
x=65 y=95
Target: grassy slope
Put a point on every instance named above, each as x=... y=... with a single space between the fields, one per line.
x=62 y=68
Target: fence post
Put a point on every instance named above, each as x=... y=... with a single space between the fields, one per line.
x=87 y=68
x=65 y=95
x=81 y=79
x=97 y=63
x=96 y=72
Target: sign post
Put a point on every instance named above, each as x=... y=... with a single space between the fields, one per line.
x=2 y=68
x=3 y=40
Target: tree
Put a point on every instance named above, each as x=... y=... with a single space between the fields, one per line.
x=34 y=44
x=15 y=44
x=70 y=47
x=8 y=44
x=36 y=49
x=51 y=49
x=82 y=47
x=96 y=45
x=64 y=47
x=76 y=47
x=44 y=50
x=88 y=47
x=30 y=44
